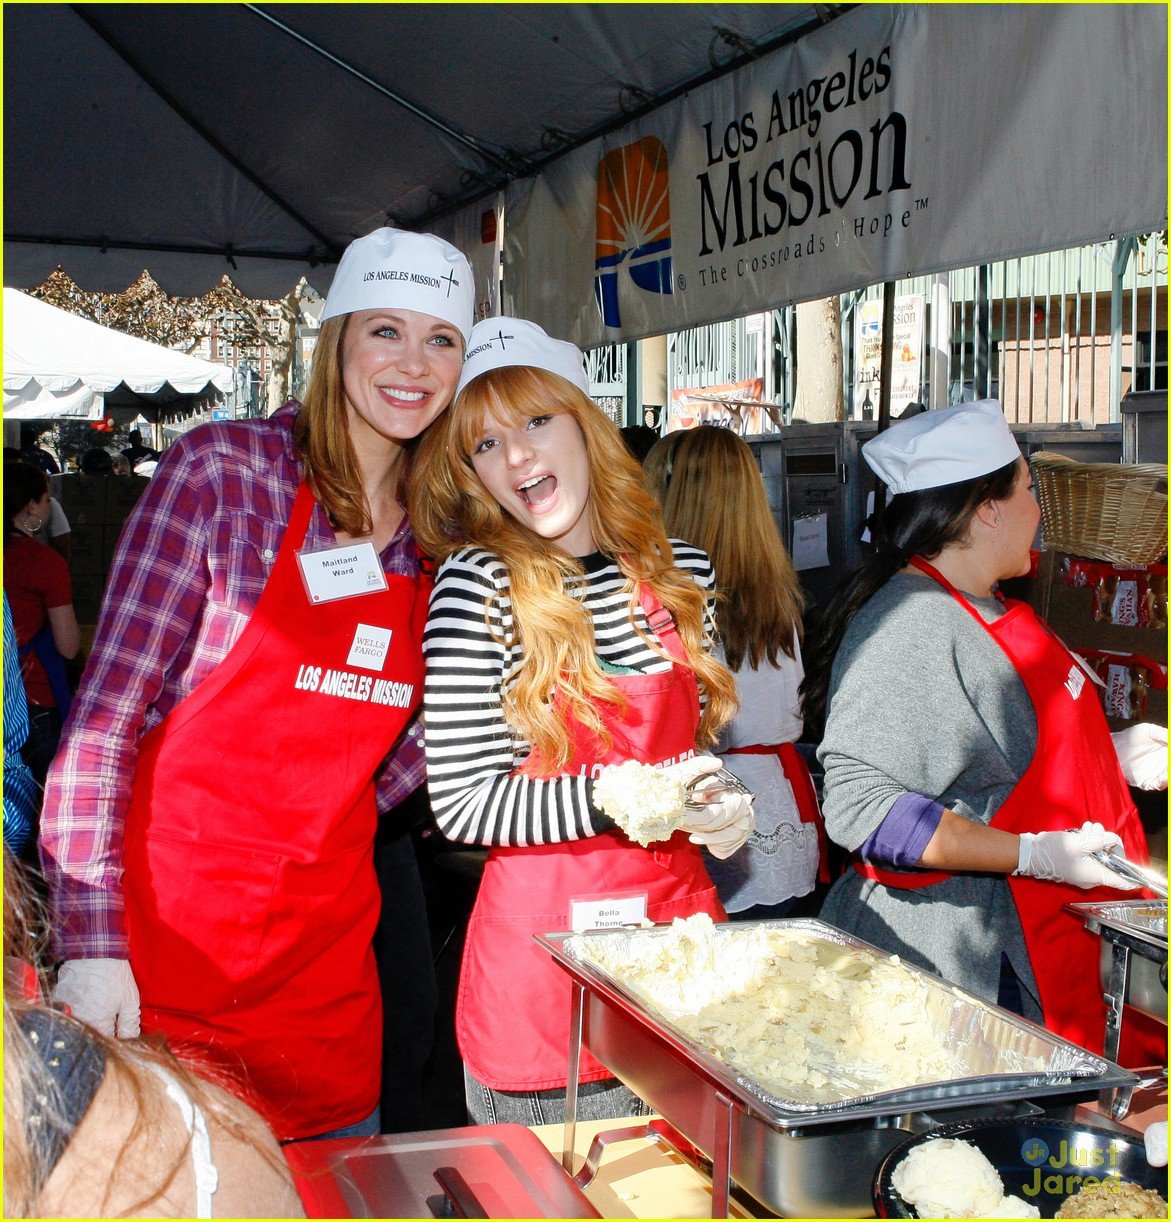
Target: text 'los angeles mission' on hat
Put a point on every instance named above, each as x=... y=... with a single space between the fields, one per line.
x=499 y=342
x=942 y=447
x=394 y=269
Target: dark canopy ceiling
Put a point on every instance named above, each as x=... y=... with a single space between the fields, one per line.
x=276 y=133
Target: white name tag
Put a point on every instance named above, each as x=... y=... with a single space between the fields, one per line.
x=341 y=572
x=607 y=913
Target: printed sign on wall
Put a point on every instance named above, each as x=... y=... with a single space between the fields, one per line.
x=906 y=355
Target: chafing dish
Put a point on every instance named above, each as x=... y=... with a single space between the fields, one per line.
x=1133 y=961
x=801 y=1157
x=490 y=1171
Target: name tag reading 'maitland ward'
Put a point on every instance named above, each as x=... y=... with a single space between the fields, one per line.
x=341 y=572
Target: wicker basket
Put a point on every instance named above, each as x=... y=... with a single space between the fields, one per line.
x=1105 y=511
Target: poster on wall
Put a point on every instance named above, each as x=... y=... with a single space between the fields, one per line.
x=906 y=358
x=730 y=405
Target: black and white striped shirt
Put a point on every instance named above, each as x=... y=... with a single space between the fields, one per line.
x=477 y=795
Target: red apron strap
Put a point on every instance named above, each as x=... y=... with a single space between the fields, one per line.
x=661 y=622
x=797 y=773
x=929 y=570
x=899 y=881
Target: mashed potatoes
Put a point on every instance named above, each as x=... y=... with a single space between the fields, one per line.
x=949 y=1178
x=801 y=1017
x=647 y=803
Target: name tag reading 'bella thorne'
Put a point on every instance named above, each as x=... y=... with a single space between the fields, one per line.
x=611 y=912
x=341 y=572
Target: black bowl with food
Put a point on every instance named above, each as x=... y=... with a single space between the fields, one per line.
x=1063 y=1169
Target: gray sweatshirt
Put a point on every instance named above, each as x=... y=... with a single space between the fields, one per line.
x=923 y=701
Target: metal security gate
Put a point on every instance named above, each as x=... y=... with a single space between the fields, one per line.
x=1059 y=338
x=608 y=372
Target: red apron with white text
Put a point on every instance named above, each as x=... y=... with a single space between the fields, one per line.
x=1073 y=776
x=251 y=898
x=513 y=1009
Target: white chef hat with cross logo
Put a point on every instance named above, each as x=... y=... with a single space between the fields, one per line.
x=393 y=269
x=498 y=342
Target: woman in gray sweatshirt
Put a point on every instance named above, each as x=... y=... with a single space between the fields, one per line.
x=968 y=765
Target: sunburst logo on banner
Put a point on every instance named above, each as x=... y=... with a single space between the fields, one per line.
x=633 y=223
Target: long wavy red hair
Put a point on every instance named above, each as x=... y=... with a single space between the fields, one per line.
x=450 y=509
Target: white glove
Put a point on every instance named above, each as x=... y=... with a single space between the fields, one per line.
x=1064 y=857
x=101 y=992
x=1155 y=1141
x=1142 y=752
x=685 y=771
x=723 y=825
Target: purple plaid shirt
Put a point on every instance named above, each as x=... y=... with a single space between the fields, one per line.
x=190 y=567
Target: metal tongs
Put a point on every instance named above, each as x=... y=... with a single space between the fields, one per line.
x=1151 y=879
x=696 y=801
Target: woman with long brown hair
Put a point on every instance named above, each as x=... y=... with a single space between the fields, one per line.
x=209 y=823
x=713 y=496
x=569 y=684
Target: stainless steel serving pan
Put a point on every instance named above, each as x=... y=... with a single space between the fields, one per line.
x=1133 y=962
x=1141 y=921
x=996 y=1046
x=802 y=1158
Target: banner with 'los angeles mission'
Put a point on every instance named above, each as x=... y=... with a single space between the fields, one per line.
x=897 y=141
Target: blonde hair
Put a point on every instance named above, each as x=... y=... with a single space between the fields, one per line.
x=450 y=508
x=713 y=496
x=137 y=1167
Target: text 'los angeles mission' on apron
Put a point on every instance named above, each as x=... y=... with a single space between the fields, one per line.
x=514 y=1003
x=251 y=898
x=1074 y=776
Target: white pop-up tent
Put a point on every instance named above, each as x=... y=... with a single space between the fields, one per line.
x=59 y=365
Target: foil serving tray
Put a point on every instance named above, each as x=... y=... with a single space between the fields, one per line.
x=1145 y=921
x=998 y=1049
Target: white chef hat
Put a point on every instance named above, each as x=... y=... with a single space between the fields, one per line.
x=498 y=342
x=398 y=270
x=942 y=447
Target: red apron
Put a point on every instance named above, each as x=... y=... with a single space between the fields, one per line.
x=513 y=1009
x=800 y=780
x=1073 y=776
x=251 y=898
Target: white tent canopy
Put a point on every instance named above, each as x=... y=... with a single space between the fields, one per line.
x=57 y=364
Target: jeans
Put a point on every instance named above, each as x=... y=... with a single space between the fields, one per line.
x=764 y=912
x=362 y=1128
x=605 y=1100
